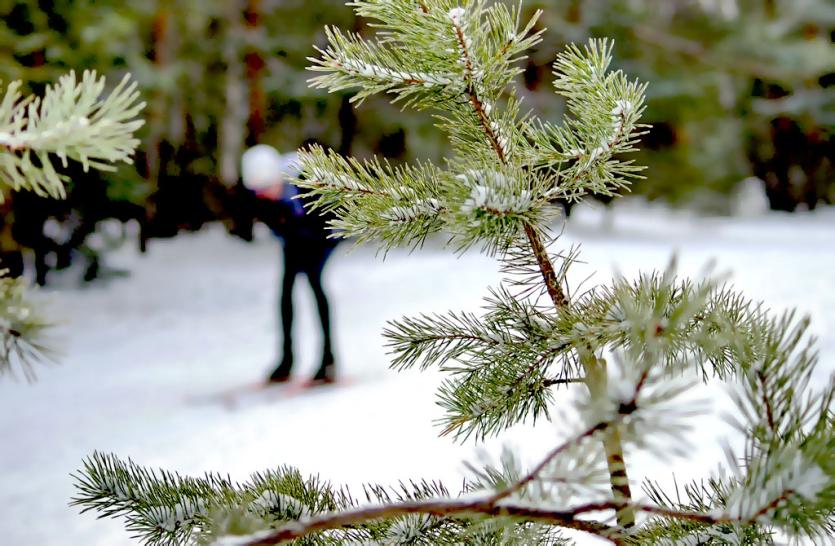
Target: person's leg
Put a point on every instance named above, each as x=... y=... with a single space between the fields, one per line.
x=314 y=276
x=291 y=269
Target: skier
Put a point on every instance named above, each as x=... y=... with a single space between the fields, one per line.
x=305 y=242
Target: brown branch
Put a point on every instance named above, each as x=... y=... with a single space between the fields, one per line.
x=546 y=268
x=15 y=147
x=562 y=518
x=506 y=47
x=771 y=505
x=491 y=506
x=568 y=518
x=766 y=401
x=11 y=331
x=475 y=100
x=685 y=515
x=612 y=443
x=544 y=262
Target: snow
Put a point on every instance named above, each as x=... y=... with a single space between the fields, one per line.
x=142 y=356
x=455 y=14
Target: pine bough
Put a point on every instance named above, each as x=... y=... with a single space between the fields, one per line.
x=71 y=121
x=632 y=349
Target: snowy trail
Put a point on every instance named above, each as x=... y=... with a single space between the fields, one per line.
x=197 y=316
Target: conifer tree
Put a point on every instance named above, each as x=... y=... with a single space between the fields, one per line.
x=631 y=348
x=73 y=120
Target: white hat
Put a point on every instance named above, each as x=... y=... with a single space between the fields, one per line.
x=262 y=167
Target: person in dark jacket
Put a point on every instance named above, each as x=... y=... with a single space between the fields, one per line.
x=304 y=238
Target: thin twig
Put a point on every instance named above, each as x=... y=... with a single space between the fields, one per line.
x=543 y=261
x=563 y=381
x=534 y=473
x=475 y=100
x=766 y=401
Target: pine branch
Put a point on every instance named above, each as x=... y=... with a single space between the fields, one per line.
x=457 y=397
x=567 y=518
x=500 y=144
x=491 y=505
x=375 y=200
x=491 y=130
x=620 y=482
x=70 y=121
x=500 y=502
x=131 y=484
x=22 y=330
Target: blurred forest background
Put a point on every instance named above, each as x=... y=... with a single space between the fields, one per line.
x=738 y=89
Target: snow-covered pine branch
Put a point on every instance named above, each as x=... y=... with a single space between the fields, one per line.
x=375 y=200
x=632 y=349
x=72 y=120
x=604 y=108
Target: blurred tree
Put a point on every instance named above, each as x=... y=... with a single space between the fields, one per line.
x=43 y=40
x=200 y=63
x=740 y=88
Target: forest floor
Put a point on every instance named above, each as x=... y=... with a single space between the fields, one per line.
x=144 y=358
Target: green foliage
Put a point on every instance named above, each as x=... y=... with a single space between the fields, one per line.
x=21 y=329
x=71 y=121
x=165 y=508
x=634 y=348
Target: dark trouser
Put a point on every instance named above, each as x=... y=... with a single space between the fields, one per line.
x=308 y=257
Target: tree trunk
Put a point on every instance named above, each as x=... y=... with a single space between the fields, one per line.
x=234 y=122
x=254 y=60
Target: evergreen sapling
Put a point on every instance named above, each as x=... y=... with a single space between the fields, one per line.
x=632 y=349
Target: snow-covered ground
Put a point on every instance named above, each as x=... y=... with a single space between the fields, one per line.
x=142 y=358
